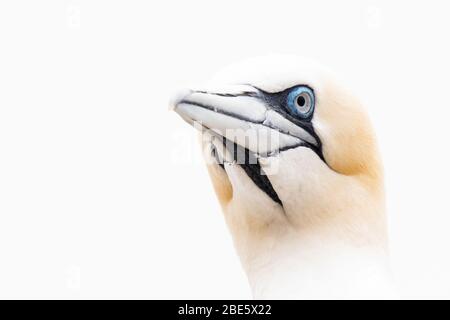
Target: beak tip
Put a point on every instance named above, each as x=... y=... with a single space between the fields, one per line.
x=177 y=97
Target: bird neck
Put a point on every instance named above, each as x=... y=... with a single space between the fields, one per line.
x=318 y=264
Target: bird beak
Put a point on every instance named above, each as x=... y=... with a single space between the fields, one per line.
x=240 y=114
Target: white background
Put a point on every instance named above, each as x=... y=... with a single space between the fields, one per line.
x=102 y=191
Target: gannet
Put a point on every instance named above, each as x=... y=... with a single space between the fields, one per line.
x=294 y=162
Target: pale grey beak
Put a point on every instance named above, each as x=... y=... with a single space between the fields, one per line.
x=242 y=115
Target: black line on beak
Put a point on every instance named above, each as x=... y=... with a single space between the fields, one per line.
x=254 y=172
x=252 y=168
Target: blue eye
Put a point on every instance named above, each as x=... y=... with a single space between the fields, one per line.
x=300 y=102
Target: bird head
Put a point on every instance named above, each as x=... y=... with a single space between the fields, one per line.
x=291 y=153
